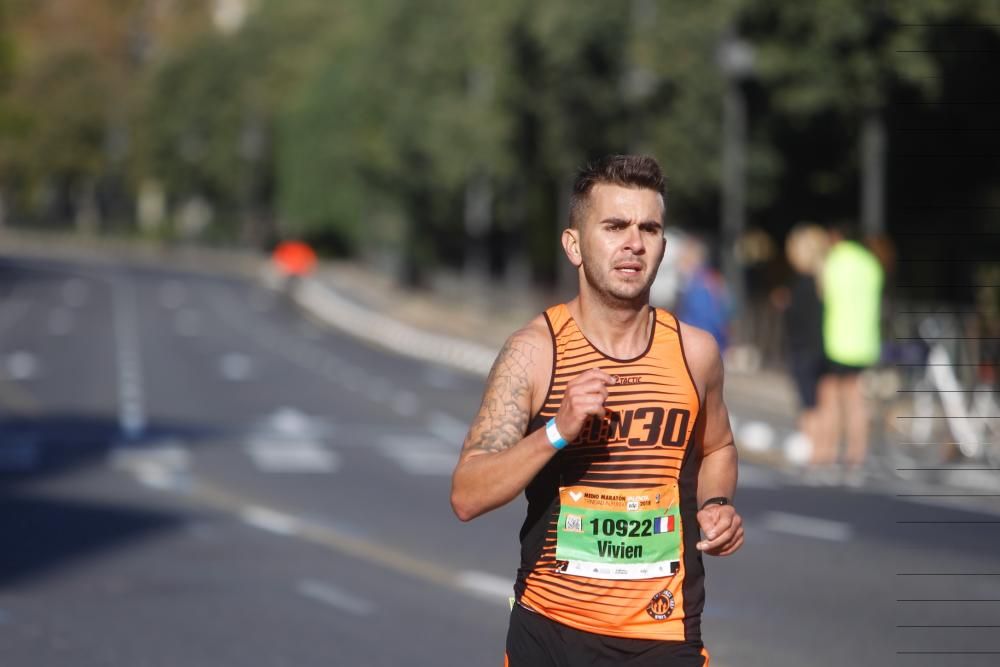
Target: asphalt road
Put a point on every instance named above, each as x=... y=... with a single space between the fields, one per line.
x=192 y=472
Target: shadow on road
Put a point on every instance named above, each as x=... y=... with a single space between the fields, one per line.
x=42 y=534
x=44 y=529
x=45 y=445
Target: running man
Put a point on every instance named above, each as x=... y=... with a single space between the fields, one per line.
x=608 y=414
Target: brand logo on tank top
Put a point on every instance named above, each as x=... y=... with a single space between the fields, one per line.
x=661 y=606
x=651 y=426
x=627 y=379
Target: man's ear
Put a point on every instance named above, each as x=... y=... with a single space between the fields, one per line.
x=571 y=244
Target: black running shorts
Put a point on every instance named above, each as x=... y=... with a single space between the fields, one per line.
x=535 y=641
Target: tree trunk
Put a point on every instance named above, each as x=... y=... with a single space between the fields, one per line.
x=873 y=148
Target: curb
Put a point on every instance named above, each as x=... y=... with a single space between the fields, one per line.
x=354 y=319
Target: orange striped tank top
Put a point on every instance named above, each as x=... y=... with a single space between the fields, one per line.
x=608 y=545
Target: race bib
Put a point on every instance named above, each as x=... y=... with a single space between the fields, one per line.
x=618 y=534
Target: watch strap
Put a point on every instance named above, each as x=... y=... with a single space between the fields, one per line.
x=718 y=500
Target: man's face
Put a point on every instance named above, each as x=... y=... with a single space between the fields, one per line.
x=620 y=241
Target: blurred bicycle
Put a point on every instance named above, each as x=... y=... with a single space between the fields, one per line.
x=936 y=419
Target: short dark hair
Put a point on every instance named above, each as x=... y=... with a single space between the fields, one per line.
x=634 y=171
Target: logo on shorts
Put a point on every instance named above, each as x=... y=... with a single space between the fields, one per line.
x=661 y=606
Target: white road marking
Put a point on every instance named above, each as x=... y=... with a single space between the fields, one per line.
x=155 y=476
x=807 y=526
x=235 y=366
x=131 y=412
x=288 y=421
x=270 y=520
x=285 y=455
x=446 y=427
x=756 y=436
x=172 y=294
x=21 y=365
x=485 y=584
x=419 y=455
x=169 y=454
x=405 y=403
x=76 y=293
x=335 y=597
x=60 y=322
x=187 y=322
x=798 y=448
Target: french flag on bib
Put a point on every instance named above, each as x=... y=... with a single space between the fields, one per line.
x=663 y=524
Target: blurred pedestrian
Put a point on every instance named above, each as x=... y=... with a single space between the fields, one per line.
x=806 y=247
x=704 y=301
x=851 y=287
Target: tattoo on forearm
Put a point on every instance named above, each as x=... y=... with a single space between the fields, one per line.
x=503 y=417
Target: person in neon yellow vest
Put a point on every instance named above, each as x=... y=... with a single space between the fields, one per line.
x=851 y=283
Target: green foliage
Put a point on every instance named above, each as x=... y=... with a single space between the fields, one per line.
x=367 y=121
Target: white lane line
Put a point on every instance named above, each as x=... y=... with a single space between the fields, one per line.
x=446 y=427
x=131 y=412
x=156 y=476
x=21 y=365
x=485 y=584
x=270 y=520
x=342 y=600
x=286 y=455
x=807 y=526
x=294 y=423
x=169 y=454
x=235 y=366
x=60 y=321
x=419 y=455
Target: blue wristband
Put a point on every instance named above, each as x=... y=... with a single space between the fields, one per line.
x=555 y=437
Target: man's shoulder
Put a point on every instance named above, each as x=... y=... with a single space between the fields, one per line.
x=535 y=332
x=700 y=349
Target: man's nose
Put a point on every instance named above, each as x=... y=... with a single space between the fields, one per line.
x=634 y=240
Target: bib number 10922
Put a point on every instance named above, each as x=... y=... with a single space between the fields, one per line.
x=622 y=527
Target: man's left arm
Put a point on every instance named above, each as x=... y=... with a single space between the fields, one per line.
x=722 y=527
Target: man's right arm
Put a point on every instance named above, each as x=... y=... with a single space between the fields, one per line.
x=497 y=460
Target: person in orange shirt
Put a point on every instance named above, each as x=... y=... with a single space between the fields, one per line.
x=608 y=414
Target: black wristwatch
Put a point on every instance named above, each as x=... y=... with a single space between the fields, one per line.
x=718 y=500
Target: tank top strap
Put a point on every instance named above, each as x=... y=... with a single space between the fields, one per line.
x=558 y=317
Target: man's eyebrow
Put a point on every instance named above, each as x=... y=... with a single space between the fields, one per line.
x=614 y=221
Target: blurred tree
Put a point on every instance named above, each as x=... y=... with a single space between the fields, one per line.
x=843 y=60
x=64 y=134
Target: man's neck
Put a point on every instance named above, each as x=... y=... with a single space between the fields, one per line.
x=619 y=330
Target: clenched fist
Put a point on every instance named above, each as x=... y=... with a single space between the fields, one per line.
x=585 y=396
